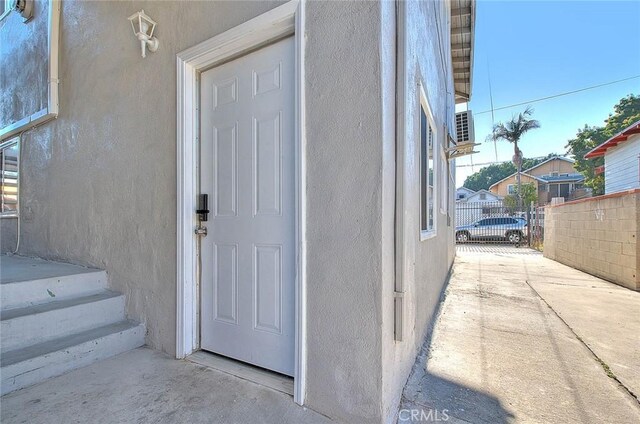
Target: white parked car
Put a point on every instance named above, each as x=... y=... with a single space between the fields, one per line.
x=512 y=229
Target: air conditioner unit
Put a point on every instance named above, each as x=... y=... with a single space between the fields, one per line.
x=464 y=127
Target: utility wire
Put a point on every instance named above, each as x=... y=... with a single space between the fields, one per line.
x=557 y=95
x=493 y=123
x=496 y=162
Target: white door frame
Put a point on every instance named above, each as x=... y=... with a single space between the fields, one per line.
x=277 y=23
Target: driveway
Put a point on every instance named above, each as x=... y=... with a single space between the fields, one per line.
x=521 y=338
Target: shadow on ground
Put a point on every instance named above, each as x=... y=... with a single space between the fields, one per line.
x=438 y=399
x=428 y=397
x=500 y=352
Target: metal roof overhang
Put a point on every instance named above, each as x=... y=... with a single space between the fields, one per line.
x=463 y=16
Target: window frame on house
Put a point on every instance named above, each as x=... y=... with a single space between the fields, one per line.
x=511 y=189
x=4 y=146
x=6 y=8
x=444 y=180
x=429 y=169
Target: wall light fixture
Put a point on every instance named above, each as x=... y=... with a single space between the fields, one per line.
x=143 y=27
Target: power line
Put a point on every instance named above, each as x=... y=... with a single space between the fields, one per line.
x=493 y=123
x=557 y=95
x=483 y=164
x=496 y=162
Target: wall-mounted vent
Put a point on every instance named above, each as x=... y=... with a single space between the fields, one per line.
x=464 y=127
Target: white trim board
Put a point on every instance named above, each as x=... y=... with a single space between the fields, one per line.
x=51 y=111
x=284 y=20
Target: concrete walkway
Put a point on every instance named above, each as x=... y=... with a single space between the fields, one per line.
x=521 y=338
x=146 y=386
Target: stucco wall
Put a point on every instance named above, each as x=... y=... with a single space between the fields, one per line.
x=98 y=185
x=24 y=64
x=23 y=81
x=599 y=236
x=8 y=232
x=344 y=194
x=425 y=263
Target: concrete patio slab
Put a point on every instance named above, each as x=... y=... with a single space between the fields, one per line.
x=499 y=354
x=146 y=386
x=14 y=268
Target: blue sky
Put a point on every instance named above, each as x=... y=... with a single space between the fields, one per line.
x=534 y=49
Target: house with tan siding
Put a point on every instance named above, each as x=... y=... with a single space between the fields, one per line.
x=555 y=177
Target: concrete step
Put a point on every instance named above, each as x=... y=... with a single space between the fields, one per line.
x=30 y=281
x=21 y=327
x=29 y=365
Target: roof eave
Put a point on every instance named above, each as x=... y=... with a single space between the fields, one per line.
x=461 y=9
x=622 y=136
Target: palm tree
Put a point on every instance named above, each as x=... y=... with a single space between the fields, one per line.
x=512 y=131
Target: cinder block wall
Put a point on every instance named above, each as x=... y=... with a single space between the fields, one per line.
x=598 y=236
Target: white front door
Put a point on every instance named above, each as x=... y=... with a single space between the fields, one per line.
x=247 y=163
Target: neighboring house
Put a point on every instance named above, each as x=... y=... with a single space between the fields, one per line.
x=320 y=132
x=482 y=196
x=621 y=160
x=481 y=204
x=553 y=178
x=462 y=193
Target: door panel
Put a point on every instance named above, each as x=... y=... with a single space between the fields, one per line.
x=247 y=167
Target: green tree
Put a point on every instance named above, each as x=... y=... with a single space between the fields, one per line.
x=625 y=113
x=489 y=175
x=512 y=131
x=529 y=194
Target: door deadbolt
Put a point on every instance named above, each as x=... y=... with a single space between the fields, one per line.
x=203 y=207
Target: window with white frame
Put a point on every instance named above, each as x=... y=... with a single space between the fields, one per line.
x=511 y=189
x=444 y=182
x=5 y=8
x=9 y=167
x=427 y=170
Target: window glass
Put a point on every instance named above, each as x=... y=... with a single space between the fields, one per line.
x=427 y=174
x=9 y=166
x=5 y=8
